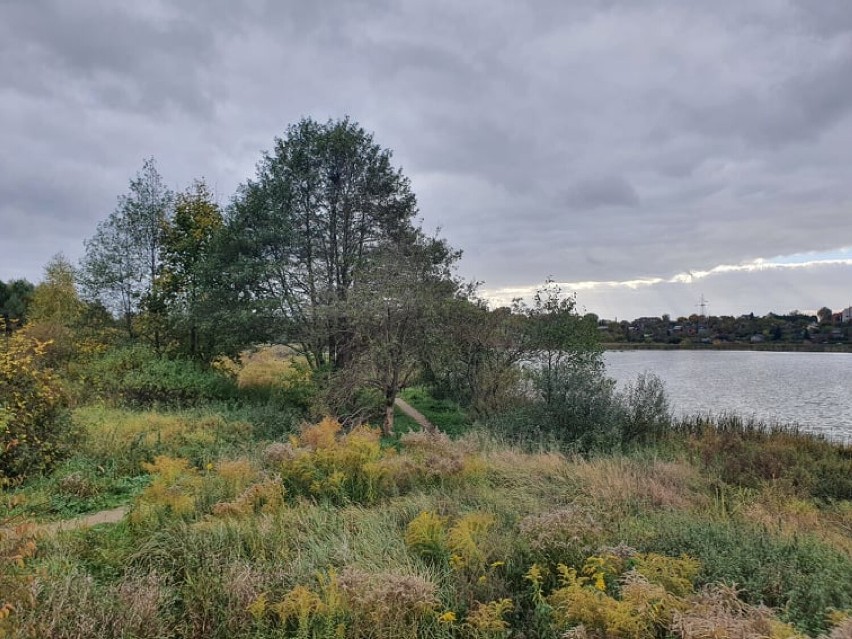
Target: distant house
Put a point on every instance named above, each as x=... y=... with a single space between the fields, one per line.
x=846 y=315
x=756 y=339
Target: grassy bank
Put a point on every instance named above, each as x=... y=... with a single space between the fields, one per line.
x=323 y=534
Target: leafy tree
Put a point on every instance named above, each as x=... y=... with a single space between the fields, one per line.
x=557 y=341
x=123 y=258
x=56 y=312
x=473 y=354
x=391 y=309
x=824 y=315
x=15 y=297
x=323 y=200
x=55 y=299
x=187 y=239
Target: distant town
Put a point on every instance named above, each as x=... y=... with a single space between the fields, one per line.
x=825 y=330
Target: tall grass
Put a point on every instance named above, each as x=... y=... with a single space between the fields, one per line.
x=327 y=533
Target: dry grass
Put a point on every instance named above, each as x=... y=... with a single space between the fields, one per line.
x=791 y=516
x=718 y=612
x=621 y=485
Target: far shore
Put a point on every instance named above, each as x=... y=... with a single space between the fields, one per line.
x=728 y=346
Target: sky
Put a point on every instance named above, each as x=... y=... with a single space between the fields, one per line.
x=642 y=154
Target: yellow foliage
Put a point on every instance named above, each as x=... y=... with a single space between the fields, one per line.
x=487 y=619
x=237 y=473
x=268 y=366
x=320 y=436
x=172 y=493
x=641 y=608
x=676 y=575
x=426 y=535
x=34 y=432
x=465 y=540
x=298 y=605
x=264 y=497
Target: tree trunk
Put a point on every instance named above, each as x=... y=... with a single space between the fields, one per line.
x=387 y=427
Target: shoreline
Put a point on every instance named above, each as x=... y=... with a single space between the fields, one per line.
x=778 y=348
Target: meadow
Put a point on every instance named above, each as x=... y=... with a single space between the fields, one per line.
x=248 y=518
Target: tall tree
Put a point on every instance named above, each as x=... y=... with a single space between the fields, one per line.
x=123 y=258
x=824 y=315
x=55 y=298
x=393 y=305
x=187 y=239
x=556 y=339
x=322 y=201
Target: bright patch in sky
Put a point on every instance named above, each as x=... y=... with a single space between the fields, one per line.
x=813 y=257
x=795 y=279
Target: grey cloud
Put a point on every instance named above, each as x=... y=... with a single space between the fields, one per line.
x=599 y=192
x=584 y=140
x=111 y=51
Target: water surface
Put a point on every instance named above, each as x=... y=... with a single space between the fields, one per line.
x=813 y=390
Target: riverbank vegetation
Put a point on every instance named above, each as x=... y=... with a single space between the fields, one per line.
x=230 y=378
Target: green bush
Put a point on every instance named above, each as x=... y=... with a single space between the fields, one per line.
x=577 y=407
x=136 y=375
x=646 y=412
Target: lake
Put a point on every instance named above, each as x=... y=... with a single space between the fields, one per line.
x=813 y=390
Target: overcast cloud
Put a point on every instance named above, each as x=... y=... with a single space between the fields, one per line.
x=591 y=141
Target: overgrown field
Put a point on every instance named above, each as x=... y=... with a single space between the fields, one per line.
x=234 y=531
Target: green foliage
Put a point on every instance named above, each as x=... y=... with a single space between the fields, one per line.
x=473 y=356
x=646 y=413
x=35 y=432
x=324 y=198
x=800 y=576
x=137 y=376
x=187 y=240
x=15 y=297
x=123 y=258
x=446 y=414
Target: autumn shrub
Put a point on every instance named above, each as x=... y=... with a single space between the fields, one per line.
x=35 y=430
x=638 y=596
x=332 y=466
x=172 y=496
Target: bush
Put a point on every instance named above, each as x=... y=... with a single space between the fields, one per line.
x=646 y=411
x=138 y=376
x=35 y=430
x=577 y=406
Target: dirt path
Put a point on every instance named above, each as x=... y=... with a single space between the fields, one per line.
x=103 y=517
x=416 y=415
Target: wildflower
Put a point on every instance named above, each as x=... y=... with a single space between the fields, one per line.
x=448 y=617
